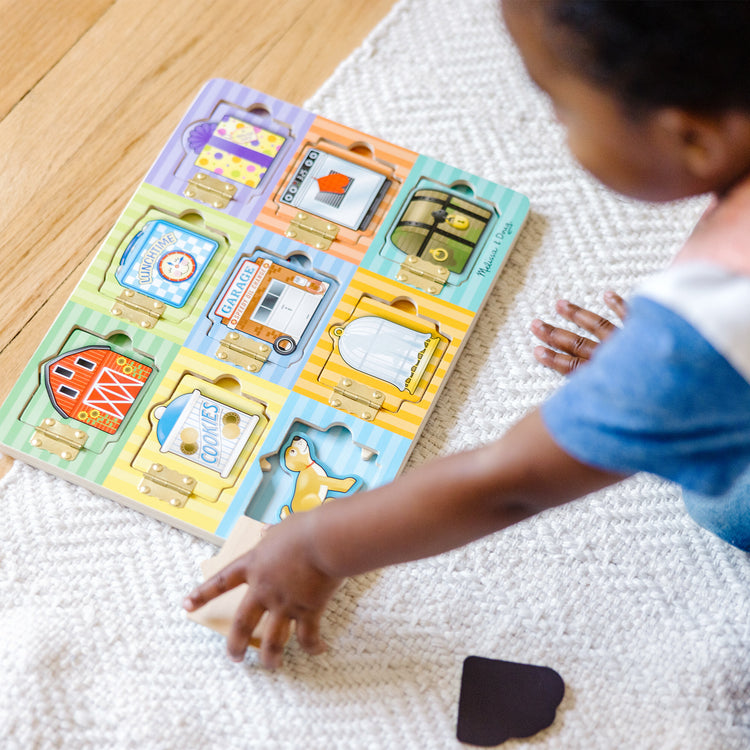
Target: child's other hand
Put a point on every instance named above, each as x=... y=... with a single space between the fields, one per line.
x=565 y=350
x=284 y=581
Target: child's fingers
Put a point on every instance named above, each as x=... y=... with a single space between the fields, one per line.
x=557 y=361
x=566 y=341
x=616 y=303
x=308 y=635
x=276 y=630
x=226 y=579
x=245 y=621
x=595 y=324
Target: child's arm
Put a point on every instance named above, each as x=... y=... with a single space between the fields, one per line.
x=563 y=350
x=300 y=562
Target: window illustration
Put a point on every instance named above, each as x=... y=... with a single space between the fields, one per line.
x=336 y=189
x=271 y=302
x=386 y=350
x=381 y=355
x=440 y=227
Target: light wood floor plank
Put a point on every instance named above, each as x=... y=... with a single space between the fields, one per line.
x=91 y=91
x=34 y=36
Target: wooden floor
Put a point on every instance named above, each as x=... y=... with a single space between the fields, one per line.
x=89 y=92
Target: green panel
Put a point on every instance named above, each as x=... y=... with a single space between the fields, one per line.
x=99 y=289
x=29 y=403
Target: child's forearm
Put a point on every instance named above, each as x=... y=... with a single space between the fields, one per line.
x=296 y=567
x=450 y=502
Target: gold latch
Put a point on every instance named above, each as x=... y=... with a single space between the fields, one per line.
x=352 y=397
x=423 y=274
x=243 y=351
x=312 y=231
x=167 y=484
x=211 y=190
x=60 y=439
x=137 y=308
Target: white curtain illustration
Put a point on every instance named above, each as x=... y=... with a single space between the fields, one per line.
x=383 y=349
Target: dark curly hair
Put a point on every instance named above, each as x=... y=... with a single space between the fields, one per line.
x=693 y=54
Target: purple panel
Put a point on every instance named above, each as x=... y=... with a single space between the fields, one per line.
x=175 y=165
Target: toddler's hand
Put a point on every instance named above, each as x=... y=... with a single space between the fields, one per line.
x=565 y=350
x=284 y=581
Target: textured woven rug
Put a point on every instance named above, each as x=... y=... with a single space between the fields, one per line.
x=645 y=616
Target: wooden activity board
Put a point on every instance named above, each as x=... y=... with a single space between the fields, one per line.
x=269 y=322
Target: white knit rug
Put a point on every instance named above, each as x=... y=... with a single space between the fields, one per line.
x=645 y=616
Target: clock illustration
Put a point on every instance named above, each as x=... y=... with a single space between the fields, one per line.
x=177 y=266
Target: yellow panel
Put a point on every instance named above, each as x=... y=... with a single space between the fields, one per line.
x=212 y=494
x=369 y=294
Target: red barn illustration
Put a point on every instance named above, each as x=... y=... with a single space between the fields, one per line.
x=95 y=385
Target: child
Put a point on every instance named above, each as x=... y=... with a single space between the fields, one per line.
x=655 y=102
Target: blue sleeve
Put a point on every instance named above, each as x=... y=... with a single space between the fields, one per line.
x=656 y=397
